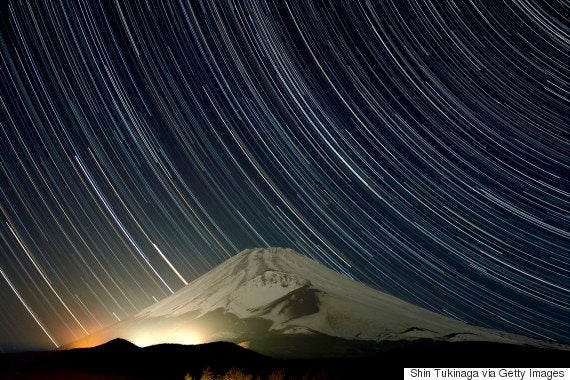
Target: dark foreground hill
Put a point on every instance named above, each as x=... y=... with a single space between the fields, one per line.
x=121 y=360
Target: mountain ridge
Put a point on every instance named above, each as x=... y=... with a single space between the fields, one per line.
x=266 y=295
x=120 y=359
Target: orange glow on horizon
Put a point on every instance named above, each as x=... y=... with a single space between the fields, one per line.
x=159 y=337
x=141 y=339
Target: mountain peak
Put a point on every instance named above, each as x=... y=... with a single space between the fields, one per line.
x=246 y=281
x=268 y=251
x=257 y=260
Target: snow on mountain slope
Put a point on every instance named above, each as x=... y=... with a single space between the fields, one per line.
x=278 y=291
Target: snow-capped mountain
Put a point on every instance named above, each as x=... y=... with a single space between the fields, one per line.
x=273 y=299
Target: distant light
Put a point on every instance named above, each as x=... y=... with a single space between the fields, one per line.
x=159 y=337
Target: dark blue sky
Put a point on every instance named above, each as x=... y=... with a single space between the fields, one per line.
x=419 y=147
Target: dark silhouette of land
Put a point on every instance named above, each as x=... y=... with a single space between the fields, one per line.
x=121 y=360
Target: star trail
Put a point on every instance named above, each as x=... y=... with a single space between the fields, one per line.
x=419 y=146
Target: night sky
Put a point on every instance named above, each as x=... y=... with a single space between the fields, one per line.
x=421 y=147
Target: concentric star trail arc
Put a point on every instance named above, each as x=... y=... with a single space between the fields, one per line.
x=420 y=147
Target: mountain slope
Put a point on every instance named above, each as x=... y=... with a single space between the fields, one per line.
x=281 y=303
